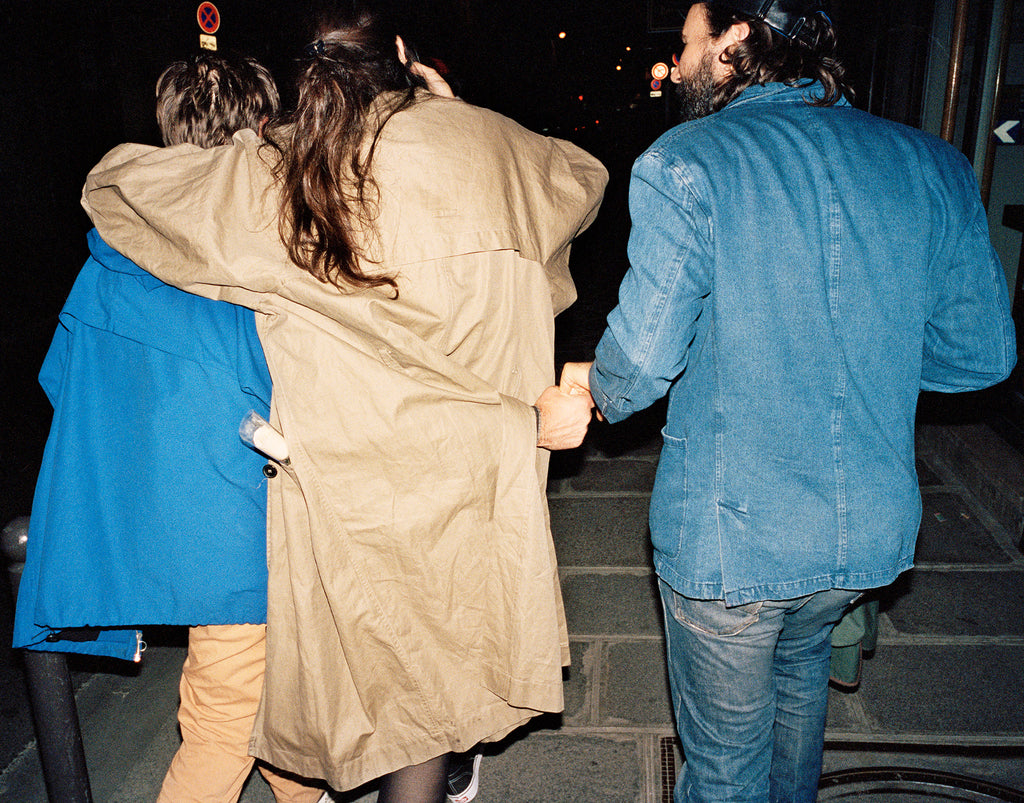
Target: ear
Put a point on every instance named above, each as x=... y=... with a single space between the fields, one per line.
x=735 y=34
x=401 y=49
x=724 y=44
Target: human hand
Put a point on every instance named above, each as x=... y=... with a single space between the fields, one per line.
x=436 y=85
x=563 y=419
x=575 y=381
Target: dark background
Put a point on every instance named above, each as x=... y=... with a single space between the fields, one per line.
x=78 y=78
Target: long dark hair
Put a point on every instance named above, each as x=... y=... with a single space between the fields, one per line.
x=766 y=55
x=328 y=195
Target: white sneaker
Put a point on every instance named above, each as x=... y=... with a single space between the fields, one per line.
x=463 y=777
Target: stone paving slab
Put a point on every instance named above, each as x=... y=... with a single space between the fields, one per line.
x=845 y=712
x=540 y=767
x=983 y=462
x=601 y=531
x=946 y=690
x=604 y=476
x=612 y=604
x=634 y=686
x=120 y=714
x=925 y=475
x=586 y=659
x=564 y=768
x=15 y=717
x=951 y=532
x=142 y=781
x=959 y=603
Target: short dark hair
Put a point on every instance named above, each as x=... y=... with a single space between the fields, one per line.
x=207 y=98
x=766 y=55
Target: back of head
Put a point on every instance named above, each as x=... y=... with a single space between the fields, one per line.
x=791 y=42
x=205 y=99
x=325 y=162
x=351 y=58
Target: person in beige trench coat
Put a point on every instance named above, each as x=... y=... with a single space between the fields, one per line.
x=414 y=604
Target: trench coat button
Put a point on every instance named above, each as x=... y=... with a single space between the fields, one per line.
x=270 y=471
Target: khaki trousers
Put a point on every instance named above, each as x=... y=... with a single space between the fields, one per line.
x=220 y=690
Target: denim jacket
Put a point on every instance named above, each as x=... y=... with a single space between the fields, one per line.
x=797 y=274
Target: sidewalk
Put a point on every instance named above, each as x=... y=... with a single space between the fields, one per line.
x=942 y=691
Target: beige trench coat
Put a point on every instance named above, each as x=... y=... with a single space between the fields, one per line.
x=414 y=605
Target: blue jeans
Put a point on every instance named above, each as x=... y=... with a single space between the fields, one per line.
x=750 y=693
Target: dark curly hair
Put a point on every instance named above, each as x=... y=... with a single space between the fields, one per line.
x=766 y=55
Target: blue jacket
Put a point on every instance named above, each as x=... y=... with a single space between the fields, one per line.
x=148 y=508
x=797 y=274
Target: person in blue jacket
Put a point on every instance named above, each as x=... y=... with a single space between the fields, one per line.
x=799 y=271
x=149 y=509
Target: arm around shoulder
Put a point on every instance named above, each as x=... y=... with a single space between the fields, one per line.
x=192 y=217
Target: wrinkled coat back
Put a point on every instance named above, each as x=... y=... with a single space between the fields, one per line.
x=414 y=605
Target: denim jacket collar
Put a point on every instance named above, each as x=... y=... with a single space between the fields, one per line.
x=775 y=92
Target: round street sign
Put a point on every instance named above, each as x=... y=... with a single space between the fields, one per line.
x=655 y=85
x=659 y=71
x=208 y=17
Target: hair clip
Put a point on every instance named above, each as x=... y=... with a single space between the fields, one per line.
x=316 y=48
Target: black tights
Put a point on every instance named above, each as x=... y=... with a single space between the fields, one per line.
x=420 y=783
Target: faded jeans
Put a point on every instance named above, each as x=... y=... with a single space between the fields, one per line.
x=750 y=692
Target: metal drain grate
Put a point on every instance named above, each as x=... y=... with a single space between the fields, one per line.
x=669 y=749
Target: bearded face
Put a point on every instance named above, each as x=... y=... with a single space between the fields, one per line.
x=696 y=92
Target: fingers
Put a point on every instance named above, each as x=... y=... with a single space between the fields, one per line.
x=564 y=418
x=435 y=83
x=575 y=379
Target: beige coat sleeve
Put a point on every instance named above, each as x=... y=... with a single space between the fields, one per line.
x=454 y=179
x=192 y=217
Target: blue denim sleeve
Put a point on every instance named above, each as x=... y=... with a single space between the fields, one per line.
x=969 y=340
x=644 y=348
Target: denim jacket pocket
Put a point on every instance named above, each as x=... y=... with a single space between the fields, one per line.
x=712 y=616
x=668 y=501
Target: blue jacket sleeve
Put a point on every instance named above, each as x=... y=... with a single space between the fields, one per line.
x=969 y=339
x=644 y=348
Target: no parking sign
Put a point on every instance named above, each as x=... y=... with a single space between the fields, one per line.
x=208 y=18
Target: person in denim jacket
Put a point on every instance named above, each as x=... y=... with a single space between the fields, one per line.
x=799 y=270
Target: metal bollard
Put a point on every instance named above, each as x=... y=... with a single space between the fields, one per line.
x=51 y=697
